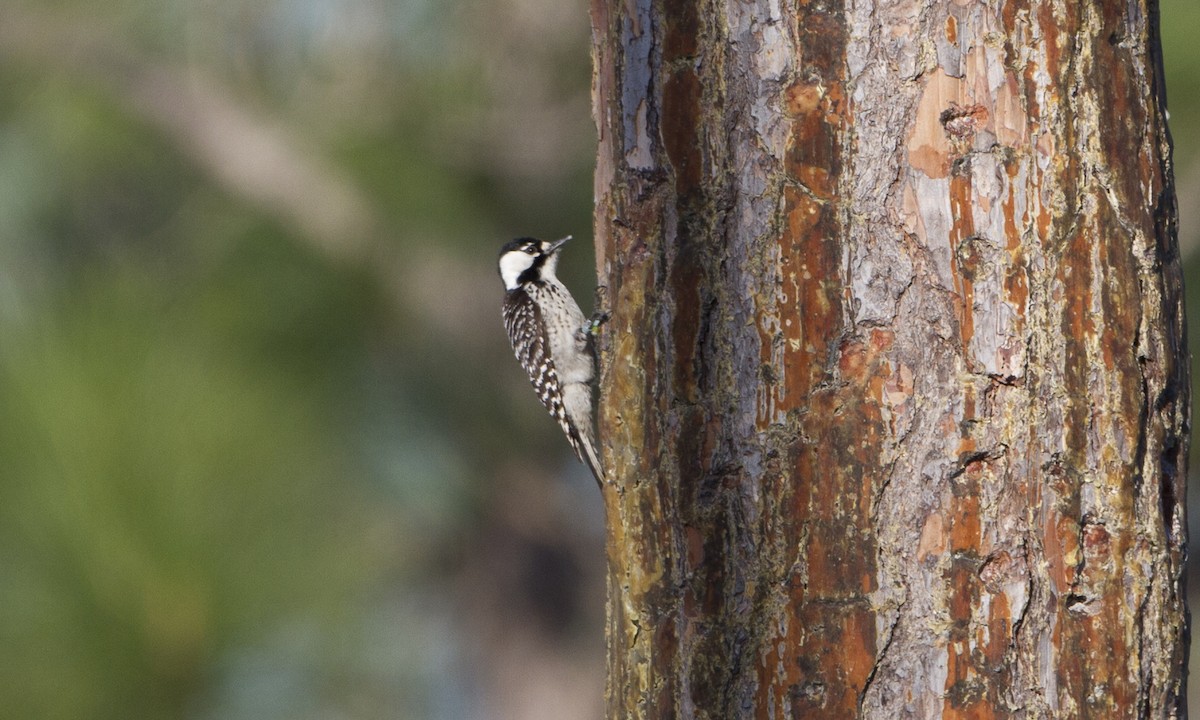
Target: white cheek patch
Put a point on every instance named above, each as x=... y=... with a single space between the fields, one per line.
x=512 y=264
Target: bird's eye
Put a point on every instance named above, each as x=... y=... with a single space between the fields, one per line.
x=531 y=249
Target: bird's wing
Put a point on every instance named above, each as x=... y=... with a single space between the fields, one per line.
x=526 y=332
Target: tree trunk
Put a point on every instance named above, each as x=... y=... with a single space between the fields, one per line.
x=894 y=395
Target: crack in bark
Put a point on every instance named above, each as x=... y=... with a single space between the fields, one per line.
x=877 y=496
x=986 y=456
x=882 y=654
x=1147 y=670
x=1019 y=621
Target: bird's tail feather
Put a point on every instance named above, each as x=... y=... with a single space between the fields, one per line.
x=591 y=458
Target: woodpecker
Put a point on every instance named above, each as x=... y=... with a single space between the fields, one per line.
x=552 y=340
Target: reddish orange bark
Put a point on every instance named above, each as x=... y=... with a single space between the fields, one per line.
x=894 y=393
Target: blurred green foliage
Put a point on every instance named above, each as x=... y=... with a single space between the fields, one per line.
x=246 y=457
x=241 y=467
x=169 y=493
x=1179 y=22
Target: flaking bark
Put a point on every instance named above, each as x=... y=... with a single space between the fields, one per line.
x=894 y=393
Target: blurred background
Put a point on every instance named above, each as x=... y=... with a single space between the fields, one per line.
x=266 y=453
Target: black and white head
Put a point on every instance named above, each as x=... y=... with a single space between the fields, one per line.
x=528 y=259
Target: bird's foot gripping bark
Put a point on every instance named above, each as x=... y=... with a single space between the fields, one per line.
x=592 y=326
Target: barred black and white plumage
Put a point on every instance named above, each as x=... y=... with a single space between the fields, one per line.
x=550 y=338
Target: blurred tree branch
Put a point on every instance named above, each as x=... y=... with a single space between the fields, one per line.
x=250 y=155
x=259 y=160
x=1187 y=187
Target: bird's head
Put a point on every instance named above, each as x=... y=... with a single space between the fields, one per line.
x=528 y=259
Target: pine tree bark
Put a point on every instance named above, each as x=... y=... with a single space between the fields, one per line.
x=894 y=393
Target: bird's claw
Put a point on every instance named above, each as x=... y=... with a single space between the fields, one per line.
x=592 y=326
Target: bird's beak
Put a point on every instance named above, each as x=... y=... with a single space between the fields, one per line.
x=554 y=246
